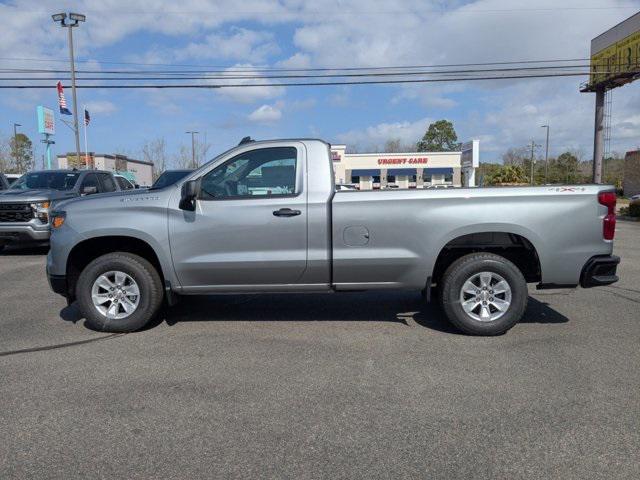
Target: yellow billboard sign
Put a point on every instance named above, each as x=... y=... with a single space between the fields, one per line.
x=616 y=53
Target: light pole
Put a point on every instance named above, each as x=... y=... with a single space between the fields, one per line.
x=15 y=142
x=193 y=148
x=546 y=156
x=532 y=161
x=74 y=21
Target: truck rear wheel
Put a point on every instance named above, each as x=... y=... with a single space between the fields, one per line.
x=483 y=294
x=119 y=292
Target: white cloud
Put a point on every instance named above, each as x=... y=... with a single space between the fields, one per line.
x=265 y=114
x=247 y=94
x=100 y=107
x=242 y=44
x=376 y=135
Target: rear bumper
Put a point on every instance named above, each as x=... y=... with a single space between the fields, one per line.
x=599 y=270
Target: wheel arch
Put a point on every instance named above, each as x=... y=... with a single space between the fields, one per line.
x=91 y=248
x=518 y=245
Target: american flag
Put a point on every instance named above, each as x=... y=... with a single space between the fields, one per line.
x=61 y=101
x=87 y=118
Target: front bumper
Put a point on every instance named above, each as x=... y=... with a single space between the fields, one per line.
x=58 y=284
x=599 y=270
x=10 y=233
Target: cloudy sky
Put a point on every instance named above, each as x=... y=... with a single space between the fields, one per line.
x=320 y=33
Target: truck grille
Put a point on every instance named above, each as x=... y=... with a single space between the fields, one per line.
x=15 y=212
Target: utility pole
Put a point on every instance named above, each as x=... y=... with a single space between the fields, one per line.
x=15 y=142
x=598 y=136
x=532 y=147
x=193 y=149
x=75 y=19
x=546 y=157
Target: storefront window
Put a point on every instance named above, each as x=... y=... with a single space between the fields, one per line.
x=355 y=179
x=376 y=179
x=391 y=178
x=428 y=178
x=448 y=178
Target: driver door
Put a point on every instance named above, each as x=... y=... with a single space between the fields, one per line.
x=249 y=228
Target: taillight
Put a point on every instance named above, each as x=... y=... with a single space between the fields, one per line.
x=608 y=199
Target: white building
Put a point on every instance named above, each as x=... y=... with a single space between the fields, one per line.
x=139 y=171
x=403 y=170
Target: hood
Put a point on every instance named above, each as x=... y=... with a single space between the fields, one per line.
x=35 y=195
x=114 y=199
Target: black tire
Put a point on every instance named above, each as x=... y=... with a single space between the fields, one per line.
x=144 y=274
x=466 y=267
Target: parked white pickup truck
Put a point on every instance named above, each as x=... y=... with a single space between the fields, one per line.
x=266 y=217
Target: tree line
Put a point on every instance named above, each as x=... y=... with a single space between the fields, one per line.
x=17 y=156
x=516 y=168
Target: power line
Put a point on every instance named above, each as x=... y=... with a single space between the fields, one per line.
x=309 y=84
x=144 y=76
x=231 y=68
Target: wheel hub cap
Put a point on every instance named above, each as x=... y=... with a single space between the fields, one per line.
x=115 y=294
x=485 y=296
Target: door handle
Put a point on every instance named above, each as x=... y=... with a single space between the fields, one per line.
x=286 y=212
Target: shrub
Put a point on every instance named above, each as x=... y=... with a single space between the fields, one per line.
x=634 y=210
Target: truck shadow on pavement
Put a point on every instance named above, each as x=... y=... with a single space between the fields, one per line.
x=407 y=308
x=14 y=250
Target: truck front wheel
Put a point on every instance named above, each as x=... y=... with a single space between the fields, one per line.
x=119 y=292
x=483 y=294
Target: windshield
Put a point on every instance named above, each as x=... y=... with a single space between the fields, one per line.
x=47 y=180
x=169 y=178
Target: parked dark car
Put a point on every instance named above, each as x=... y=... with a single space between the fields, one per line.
x=169 y=177
x=25 y=205
x=4 y=183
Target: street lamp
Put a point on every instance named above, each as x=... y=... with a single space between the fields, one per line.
x=15 y=142
x=74 y=21
x=546 y=155
x=193 y=148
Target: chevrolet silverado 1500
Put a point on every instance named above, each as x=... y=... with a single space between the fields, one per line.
x=266 y=217
x=25 y=205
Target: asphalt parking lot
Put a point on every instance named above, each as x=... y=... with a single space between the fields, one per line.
x=313 y=386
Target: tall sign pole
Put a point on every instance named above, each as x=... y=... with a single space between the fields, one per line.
x=76 y=130
x=74 y=20
x=598 y=136
x=47 y=127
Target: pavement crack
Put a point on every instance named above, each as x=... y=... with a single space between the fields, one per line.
x=60 y=345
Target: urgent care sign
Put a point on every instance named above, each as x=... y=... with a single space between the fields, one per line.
x=403 y=161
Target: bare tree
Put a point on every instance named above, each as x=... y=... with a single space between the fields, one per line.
x=6 y=158
x=183 y=158
x=392 y=146
x=516 y=156
x=155 y=151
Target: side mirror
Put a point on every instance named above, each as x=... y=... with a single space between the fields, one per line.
x=89 y=190
x=188 y=195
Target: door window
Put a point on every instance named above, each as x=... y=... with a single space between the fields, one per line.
x=90 y=181
x=267 y=172
x=108 y=185
x=124 y=183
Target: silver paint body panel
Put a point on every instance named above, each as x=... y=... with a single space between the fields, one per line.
x=343 y=240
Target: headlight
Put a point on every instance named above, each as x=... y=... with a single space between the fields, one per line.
x=58 y=218
x=41 y=210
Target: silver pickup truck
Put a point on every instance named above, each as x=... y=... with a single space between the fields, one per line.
x=266 y=217
x=25 y=204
